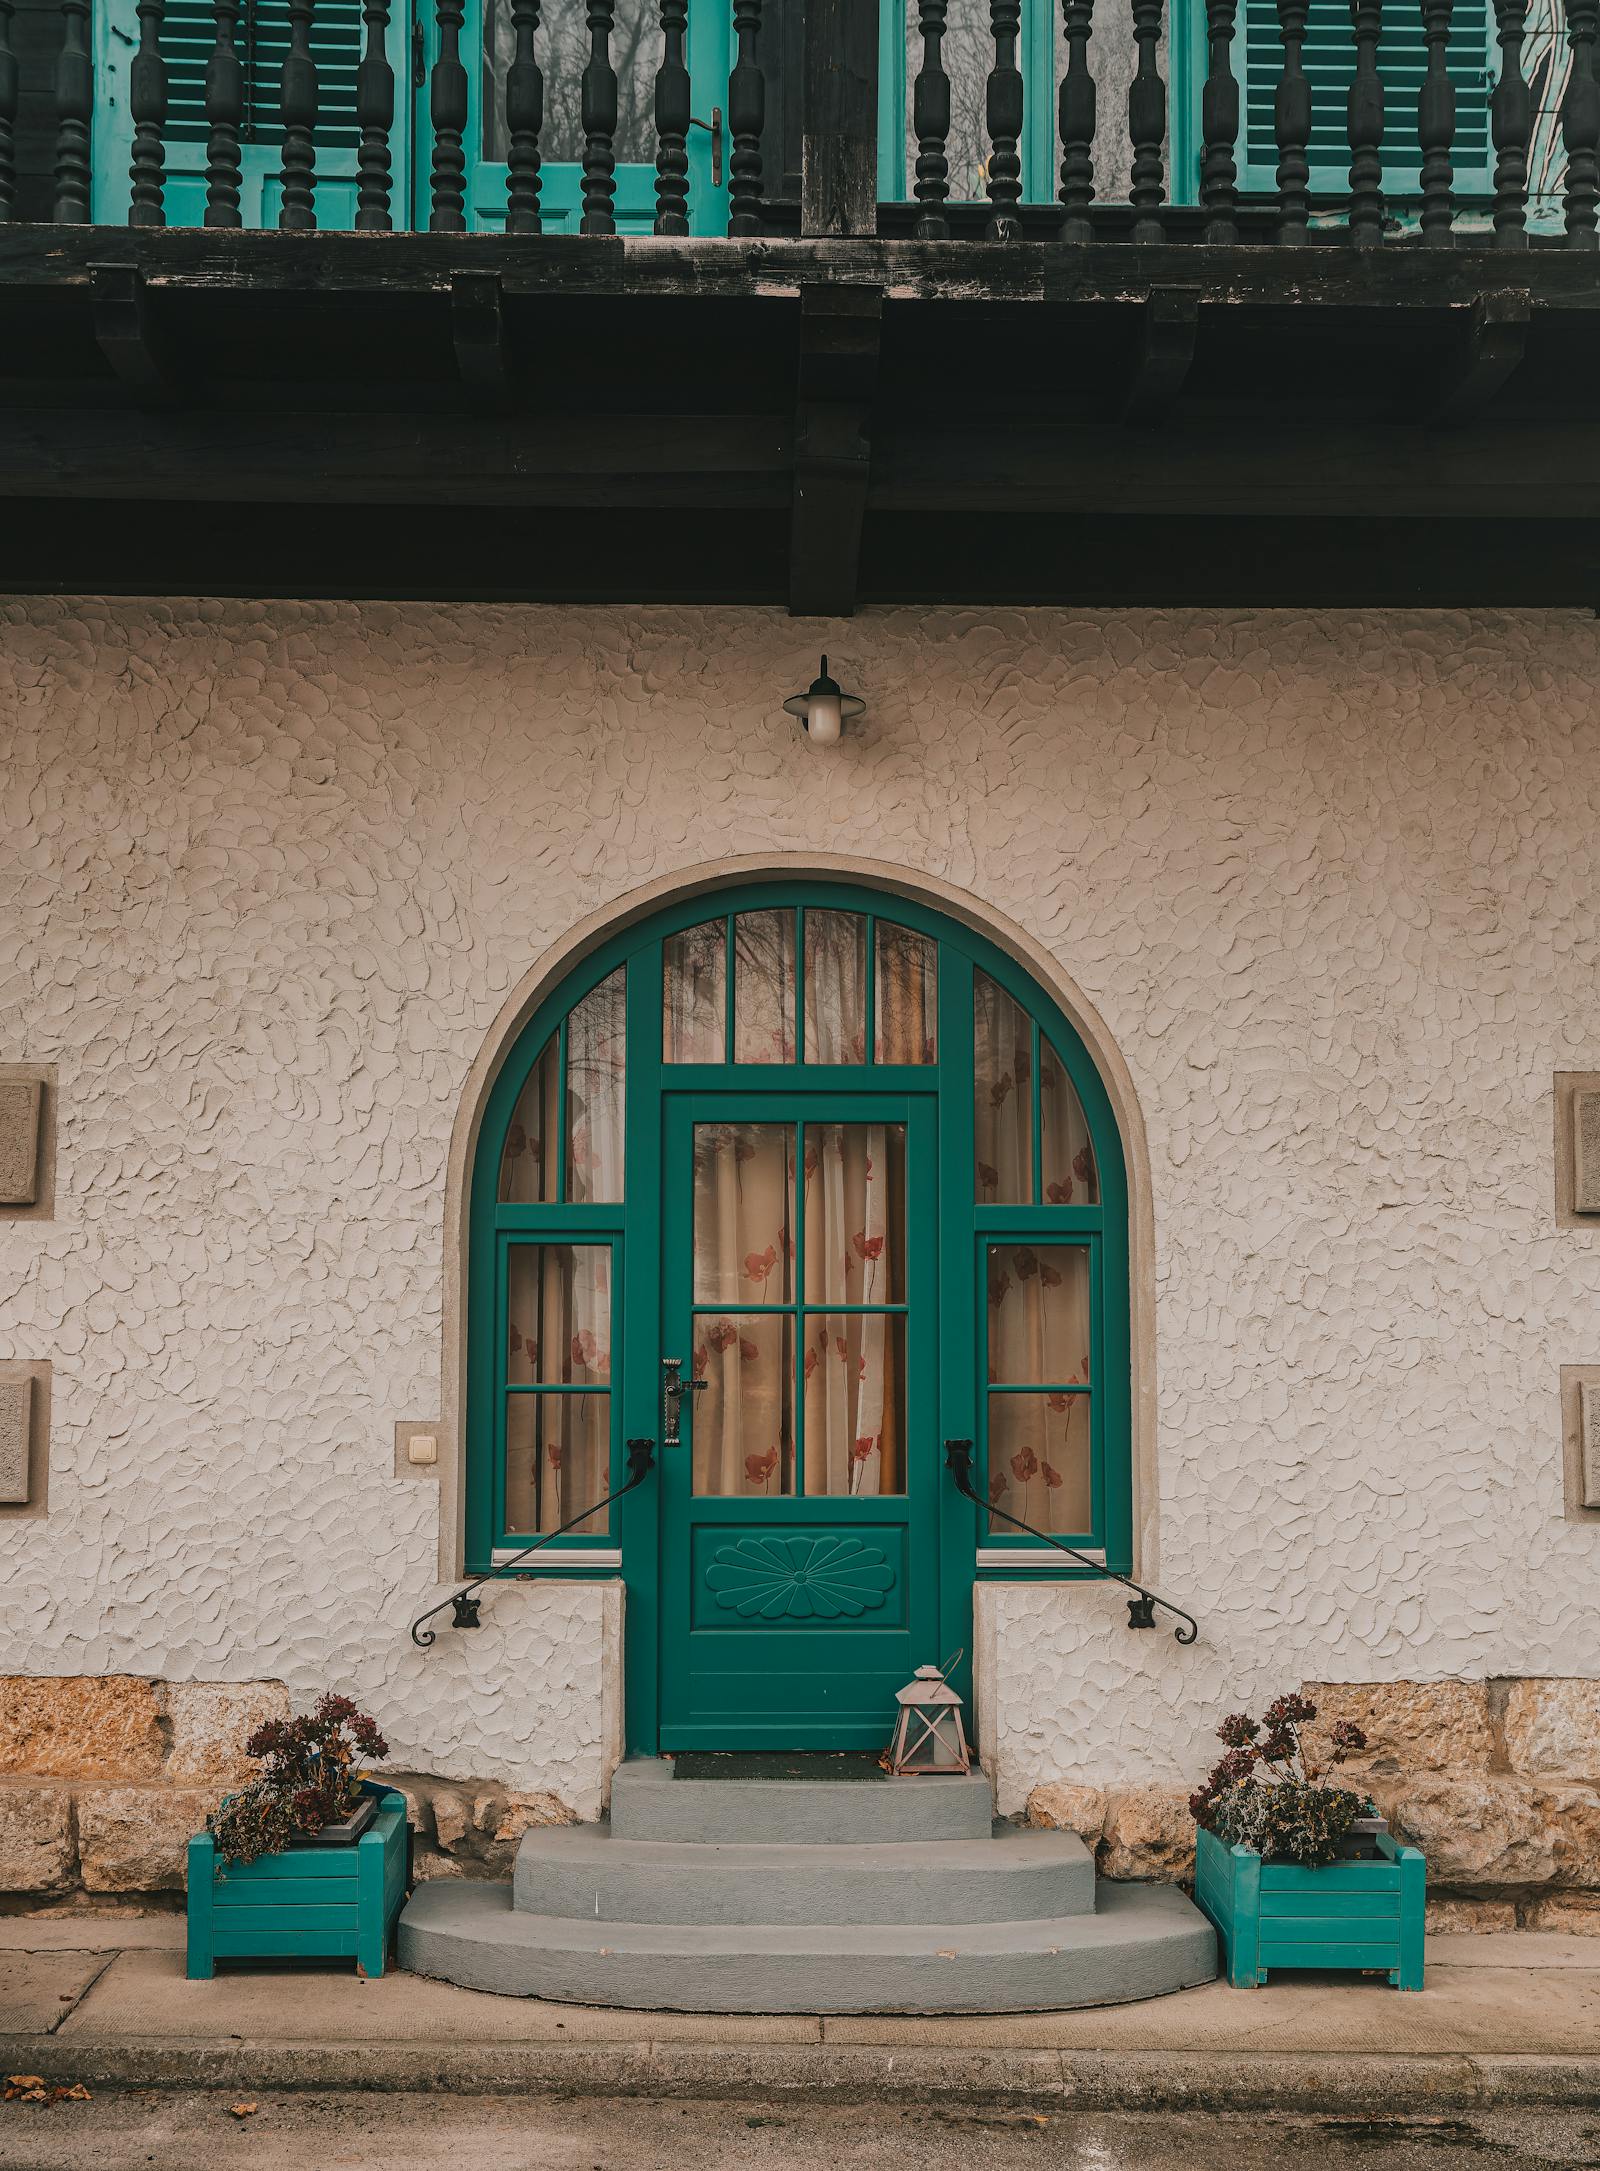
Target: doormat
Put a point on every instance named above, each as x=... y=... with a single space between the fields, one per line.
x=776 y=1764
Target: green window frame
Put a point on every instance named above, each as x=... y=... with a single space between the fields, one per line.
x=966 y=1224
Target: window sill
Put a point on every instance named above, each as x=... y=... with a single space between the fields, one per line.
x=553 y=1556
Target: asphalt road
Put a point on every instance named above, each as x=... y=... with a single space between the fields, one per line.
x=128 y=2131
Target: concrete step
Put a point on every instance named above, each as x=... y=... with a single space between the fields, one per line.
x=583 y=1872
x=1143 y=1940
x=647 y=1802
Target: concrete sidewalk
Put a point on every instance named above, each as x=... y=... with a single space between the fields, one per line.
x=1506 y=2020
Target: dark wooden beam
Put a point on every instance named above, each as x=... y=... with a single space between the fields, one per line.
x=478 y=330
x=1165 y=351
x=129 y=334
x=838 y=373
x=1490 y=346
x=839 y=130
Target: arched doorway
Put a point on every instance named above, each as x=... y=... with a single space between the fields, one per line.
x=841 y=1169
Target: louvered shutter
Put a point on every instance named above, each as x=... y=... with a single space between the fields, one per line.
x=1330 y=54
x=188 y=33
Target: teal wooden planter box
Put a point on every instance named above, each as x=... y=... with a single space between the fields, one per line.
x=1364 y=1915
x=307 y=1901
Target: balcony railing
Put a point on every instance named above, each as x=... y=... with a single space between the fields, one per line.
x=1384 y=122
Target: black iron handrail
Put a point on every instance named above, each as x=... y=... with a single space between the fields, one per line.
x=1141 y=1607
x=464 y=1607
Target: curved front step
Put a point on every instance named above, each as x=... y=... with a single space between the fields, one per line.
x=581 y=1872
x=648 y=1802
x=1143 y=1940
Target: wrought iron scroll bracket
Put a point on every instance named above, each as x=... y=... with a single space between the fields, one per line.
x=464 y=1606
x=1141 y=1606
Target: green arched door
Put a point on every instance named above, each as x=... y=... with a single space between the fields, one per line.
x=837 y=1170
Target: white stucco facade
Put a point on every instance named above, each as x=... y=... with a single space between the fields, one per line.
x=270 y=873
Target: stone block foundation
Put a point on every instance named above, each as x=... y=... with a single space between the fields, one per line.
x=104 y=1777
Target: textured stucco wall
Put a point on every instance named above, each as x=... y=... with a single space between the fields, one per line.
x=269 y=872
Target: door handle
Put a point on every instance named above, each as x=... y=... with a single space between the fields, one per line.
x=713 y=129
x=419 y=57
x=673 y=1389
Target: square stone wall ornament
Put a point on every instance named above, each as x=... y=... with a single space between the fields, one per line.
x=24 y=1439
x=1577 y=1143
x=1580 y=1429
x=27 y=1141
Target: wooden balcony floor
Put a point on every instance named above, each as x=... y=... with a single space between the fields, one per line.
x=811 y=422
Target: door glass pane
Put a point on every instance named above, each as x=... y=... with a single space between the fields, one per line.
x=763 y=987
x=836 y=987
x=558 y=1313
x=907 y=995
x=528 y=1170
x=855 y=1213
x=743 y=1208
x=855 y=1400
x=558 y=1462
x=968 y=55
x=562 y=48
x=743 y=1421
x=596 y=1075
x=694 y=995
x=1065 y=1154
x=1004 y=1054
x=1039 y=1314
x=1039 y=1462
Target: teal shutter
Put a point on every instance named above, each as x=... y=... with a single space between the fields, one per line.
x=1330 y=63
x=187 y=36
x=187 y=32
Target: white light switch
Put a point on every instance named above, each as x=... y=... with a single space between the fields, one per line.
x=423 y=1447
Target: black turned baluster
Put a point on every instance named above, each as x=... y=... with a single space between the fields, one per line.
x=524 y=122
x=1219 y=119
x=375 y=119
x=74 y=112
x=1580 y=125
x=1147 y=123
x=1436 y=126
x=224 y=119
x=599 y=124
x=447 y=111
x=1364 y=107
x=10 y=92
x=147 y=107
x=672 y=122
x=930 y=116
x=297 y=101
x=1003 y=111
x=1076 y=117
x=1291 y=118
x=1511 y=119
x=747 y=112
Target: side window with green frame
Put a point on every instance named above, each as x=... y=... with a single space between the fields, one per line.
x=187 y=40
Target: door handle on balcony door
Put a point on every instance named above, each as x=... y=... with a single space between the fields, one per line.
x=713 y=129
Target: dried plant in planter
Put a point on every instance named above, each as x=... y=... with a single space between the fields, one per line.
x=1267 y=1794
x=309 y=1779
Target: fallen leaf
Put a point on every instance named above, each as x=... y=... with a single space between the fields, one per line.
x=24 y=2080
x=245 y=2110
x=77 y=2093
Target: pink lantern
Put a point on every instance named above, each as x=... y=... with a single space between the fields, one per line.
x=929 y=1735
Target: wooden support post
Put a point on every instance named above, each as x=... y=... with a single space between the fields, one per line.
x=478 y=328
x=1491 y=346
x=200 y=1959
x=129 y=336
x=839 y=336
x=1166 y=349
x=839 y=145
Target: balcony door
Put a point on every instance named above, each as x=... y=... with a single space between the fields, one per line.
x=562 y=49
